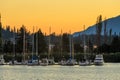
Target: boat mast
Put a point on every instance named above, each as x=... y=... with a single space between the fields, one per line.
x=14 y=42
x=36 y=42
x=49 y=45
x=23 y=44
x=61 y=44
x=84 y=43
x=33 y=43
x=70 y=45
x=1 y=40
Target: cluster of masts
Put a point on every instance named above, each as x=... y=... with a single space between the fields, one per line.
x=35 y=61
x=50 y=61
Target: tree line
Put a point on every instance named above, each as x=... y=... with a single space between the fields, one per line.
x=22 y=41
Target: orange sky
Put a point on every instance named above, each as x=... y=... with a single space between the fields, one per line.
x=59 y=14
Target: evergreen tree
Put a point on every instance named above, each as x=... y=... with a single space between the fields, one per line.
x=65 y=42
x=105 y=48
x=78 y=48
x=8 y=47
x=105 y=31
x=19 y=39
x=42 y=46
x=98 y=31
x=8 y=28
x=115 y=45
x=90 y=46
x=0 y=35
x=110 y=36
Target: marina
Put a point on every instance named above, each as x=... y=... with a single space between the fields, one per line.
x=59 y=40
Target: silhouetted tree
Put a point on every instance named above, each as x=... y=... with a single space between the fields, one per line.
x=65 y=42
x=90 y=46
x=105 y=31
x=42 y=46
x=8 y=28
x=115 y=45
x=110 y=36
x=104 y=48
x=19 y=39
x=78 y=48
x=8 y=47
x=98 y=31
x=0 y=35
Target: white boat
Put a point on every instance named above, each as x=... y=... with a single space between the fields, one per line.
x=2 y=61
x=44 y=62
x=14 y=62
x=85 y=63
x=71 y=62
x=62 y=62
x=99 y=60
x=51 y=61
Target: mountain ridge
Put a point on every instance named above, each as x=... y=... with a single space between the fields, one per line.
x=112 y=23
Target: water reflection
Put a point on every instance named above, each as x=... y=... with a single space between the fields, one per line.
x=109 y=71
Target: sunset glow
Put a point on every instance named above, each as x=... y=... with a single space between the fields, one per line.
x=59 y=14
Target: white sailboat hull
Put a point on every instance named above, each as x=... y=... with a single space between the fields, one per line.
x=44 y=62
x=2 y=61
x=85 y=63
x=70 y=62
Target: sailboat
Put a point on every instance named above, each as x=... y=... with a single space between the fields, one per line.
x=70 y=61
x=35 y=59
x=14 y=62
x=85 y=61
x=24 y=62
x=63 y=60
x=2 y=61
x=50 y=58
x=44 y=62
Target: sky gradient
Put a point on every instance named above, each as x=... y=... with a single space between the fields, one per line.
x=59 y=14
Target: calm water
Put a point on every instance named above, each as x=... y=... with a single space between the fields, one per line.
x=110 y=71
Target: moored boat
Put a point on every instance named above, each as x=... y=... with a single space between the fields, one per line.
x=44 y=62
x=99 y=60
x=2 y=61
x=84 y=63
x=70 y=62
